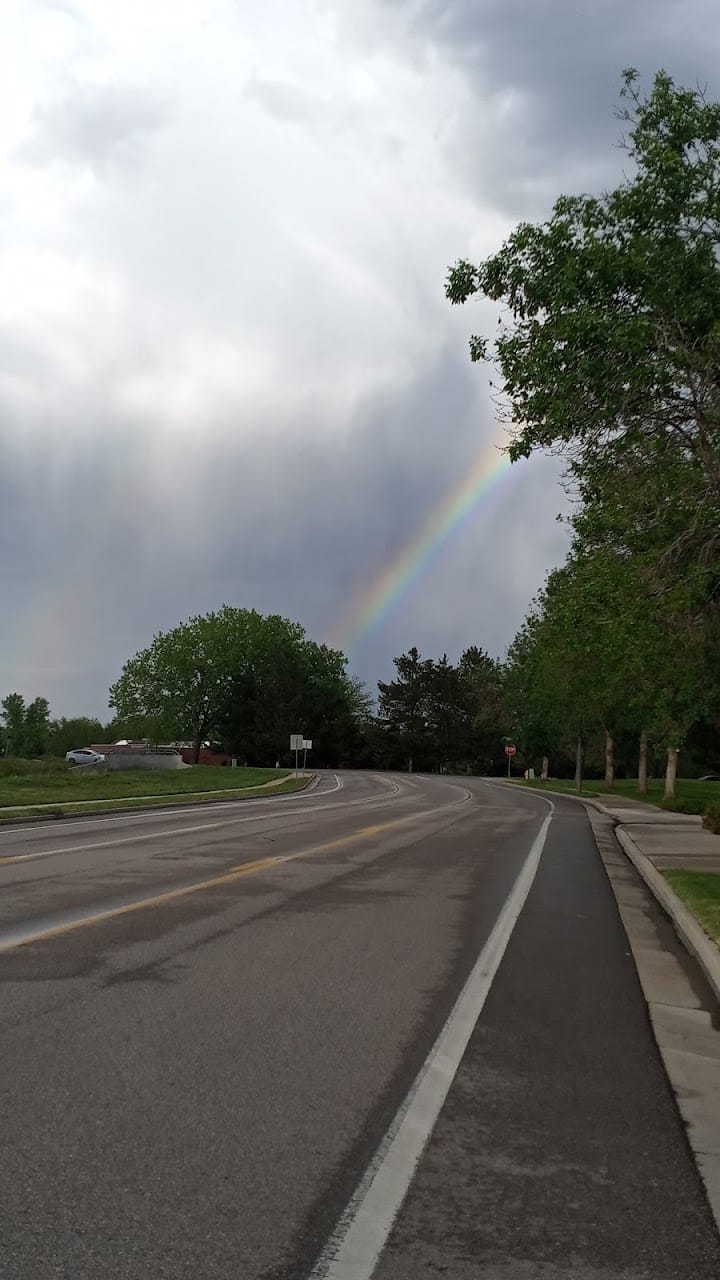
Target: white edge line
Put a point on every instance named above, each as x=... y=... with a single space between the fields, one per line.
x=354 y=1249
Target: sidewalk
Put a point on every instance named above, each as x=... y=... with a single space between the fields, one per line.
x=667 y=839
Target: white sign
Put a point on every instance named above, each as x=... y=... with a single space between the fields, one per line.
x=307 y=744
x=296 y=742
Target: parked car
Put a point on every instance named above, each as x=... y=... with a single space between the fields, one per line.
x=710 y=777
x=84 y=755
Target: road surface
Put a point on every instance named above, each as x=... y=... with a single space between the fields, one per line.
x=219 y=1024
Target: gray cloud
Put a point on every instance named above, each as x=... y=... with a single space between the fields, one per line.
x=105 y=561
x=92 y=126
x=227 y=369
x=287 y=101
x=545 y=76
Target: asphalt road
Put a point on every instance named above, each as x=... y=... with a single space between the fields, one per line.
x=210 y=1019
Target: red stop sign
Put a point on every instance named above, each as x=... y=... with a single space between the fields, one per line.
x=510 y=749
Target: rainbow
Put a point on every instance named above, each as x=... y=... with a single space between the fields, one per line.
x=372 y=602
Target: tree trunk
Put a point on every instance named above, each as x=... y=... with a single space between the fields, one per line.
x=671 y=772
x=545 y=768
x=579 y=761
x=410 y=768
x=643 y=764
x=197 y=744
x=609 y=760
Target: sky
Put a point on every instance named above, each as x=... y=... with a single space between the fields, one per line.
x=228 y=371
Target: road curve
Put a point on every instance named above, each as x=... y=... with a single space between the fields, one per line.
x=210 y=1019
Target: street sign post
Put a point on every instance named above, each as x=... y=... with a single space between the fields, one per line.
x=510 y=752
x=296 y=744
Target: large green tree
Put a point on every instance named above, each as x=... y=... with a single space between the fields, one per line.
x=286 y=684
x=180 y=685
x=613 y=342
x=245 y=679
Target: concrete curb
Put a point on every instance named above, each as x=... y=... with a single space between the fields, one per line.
x=217 y=798
x=690 y=932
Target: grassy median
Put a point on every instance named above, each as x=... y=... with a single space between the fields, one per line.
x=60 y=790
x=700 y=891
x=692 y=796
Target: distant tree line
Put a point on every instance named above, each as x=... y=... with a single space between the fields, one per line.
x=245 y=682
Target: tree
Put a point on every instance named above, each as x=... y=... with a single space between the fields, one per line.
x=481 y=679
x=613 y=349
x=27 y=727
x=439 y=715
x=447 y=715
x=530 y=691
x=180 y=684
x=13 y=713
x=37 y=727
x=246 y=680
x=287 y=684
x=79 y=731
x=403 y=706
x=592 y=656
x=334 y=706
x=263 y=703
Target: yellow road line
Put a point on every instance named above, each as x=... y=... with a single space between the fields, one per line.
x=235 y=873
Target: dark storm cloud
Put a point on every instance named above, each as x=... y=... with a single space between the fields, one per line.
x=297 y=531
x=547 y=75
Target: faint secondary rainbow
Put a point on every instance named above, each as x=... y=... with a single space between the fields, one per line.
x=372 y=602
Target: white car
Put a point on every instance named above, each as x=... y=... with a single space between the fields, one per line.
x=84 y=756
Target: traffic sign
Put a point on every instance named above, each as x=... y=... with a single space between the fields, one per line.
x=307 y=744
x=510 y=749
x=296 y=742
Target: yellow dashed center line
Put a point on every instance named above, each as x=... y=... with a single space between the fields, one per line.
x=228 y=877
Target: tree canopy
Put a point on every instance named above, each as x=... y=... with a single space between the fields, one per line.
x=244 y=679
x=26 y=726
x=614 y=334
x=437 y=715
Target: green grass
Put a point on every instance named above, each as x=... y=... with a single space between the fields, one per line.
x=692 y=796
x=105 y=806
x=15 y=766
x=700 y=891
x=63 y=788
